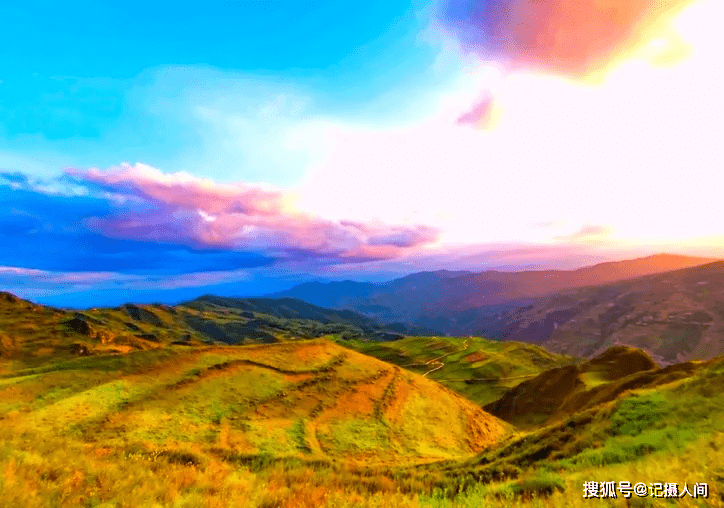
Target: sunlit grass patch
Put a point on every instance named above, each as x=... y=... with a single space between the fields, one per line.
x=356 y=436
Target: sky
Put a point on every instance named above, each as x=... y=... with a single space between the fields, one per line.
x=160 y=152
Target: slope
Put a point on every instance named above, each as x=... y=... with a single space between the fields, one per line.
x=295 y=309
x=482 y=370
x=435 y=299
x=32 y=334
x=674 y=316
x=664 y=429
x=120 y=429
x=560 y=392
x=308 y=423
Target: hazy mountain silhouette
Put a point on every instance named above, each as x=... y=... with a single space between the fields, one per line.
x=434 y=299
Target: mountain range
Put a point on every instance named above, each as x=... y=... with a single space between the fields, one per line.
x=426 y=294
x=668 y=305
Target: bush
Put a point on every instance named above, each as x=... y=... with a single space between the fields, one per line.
x=634 y=414
x=542 y=484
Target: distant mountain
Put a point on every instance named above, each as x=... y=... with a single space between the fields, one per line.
x=674 y=316
x=332 y=294
x=432 y=299
x=488 y=288
x=294 y=309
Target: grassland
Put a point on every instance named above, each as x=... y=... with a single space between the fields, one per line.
x=109 y=428
x=480 y=369
x=154 y=414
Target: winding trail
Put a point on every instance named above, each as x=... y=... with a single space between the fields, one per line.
x=437 y=364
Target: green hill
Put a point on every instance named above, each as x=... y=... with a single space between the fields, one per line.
x=33 y=334
x=560 y=392
x=138 y=406
x=294 y=309
x=665 y=429
x=176 y=423
x=480 y=369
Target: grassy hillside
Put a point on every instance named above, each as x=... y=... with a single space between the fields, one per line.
x=312 y=424
x=86 y=431
x=674 y=316
x=288 y=309
x=667 y=431
x=560 y=392
x=135 y=406
x=32 y=334
x=482 y=370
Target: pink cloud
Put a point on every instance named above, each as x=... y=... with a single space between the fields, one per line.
x=182 y=209
x=570 y=37
x=479 y=115
x=183 y=191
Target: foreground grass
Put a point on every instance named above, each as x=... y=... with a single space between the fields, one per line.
x=225 y=426
x=67 y=473
x=205 y=428
x=144 y=421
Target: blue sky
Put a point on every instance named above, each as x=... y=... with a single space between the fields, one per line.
x=154 y=153
x=82 y=82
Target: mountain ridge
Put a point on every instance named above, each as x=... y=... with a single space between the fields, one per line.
x=417 y=298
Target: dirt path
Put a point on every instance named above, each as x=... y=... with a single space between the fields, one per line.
x=437 y=364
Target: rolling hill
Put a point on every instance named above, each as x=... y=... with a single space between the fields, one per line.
x=180 y=424
x=295 y=309
x=482 y=370
x=674 y=316
x=663 y=424
x=560 y=392
x=434 y=299
x=33 y=334
x=134 y=406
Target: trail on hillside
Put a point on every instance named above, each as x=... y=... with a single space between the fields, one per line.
x=486 y=378
x=438 y=364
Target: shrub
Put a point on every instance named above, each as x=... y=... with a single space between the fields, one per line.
x=542 y=484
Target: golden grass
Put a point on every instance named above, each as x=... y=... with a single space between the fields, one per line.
x=304 y=424
x=192 y=428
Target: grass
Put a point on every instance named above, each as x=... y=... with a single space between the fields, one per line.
x=79 y=436
x=308 y=461
x=482 y=370
x=313 y=424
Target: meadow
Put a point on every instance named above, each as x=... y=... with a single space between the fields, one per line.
x=174 y=420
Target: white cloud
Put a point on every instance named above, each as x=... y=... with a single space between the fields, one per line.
x=640 y=153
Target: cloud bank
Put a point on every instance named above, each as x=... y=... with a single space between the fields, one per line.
x=142 y=204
